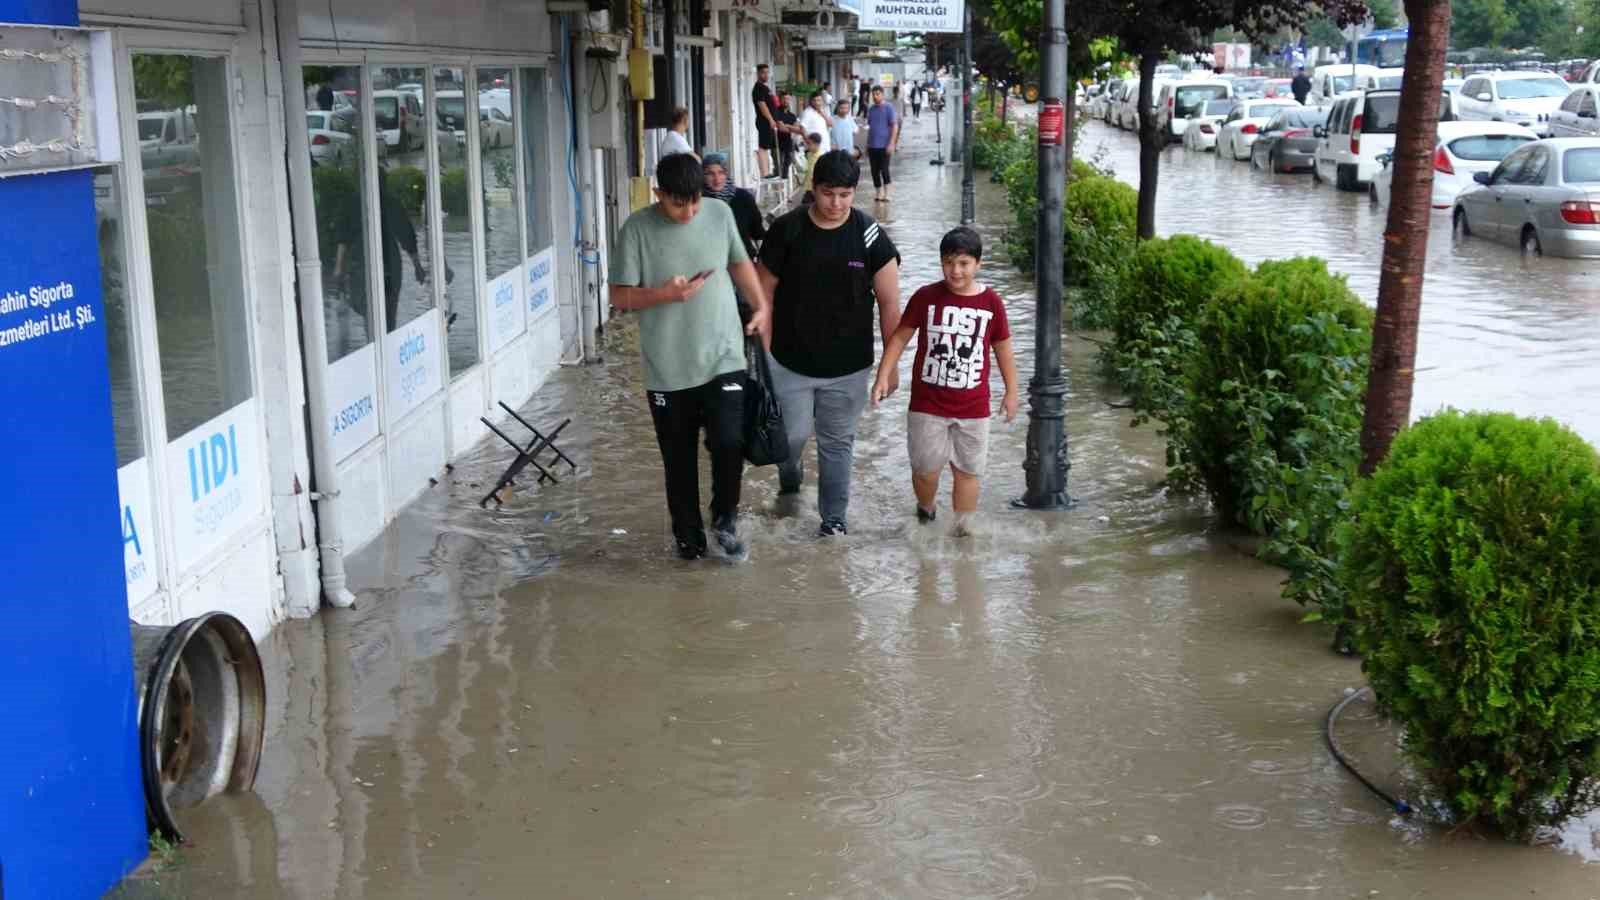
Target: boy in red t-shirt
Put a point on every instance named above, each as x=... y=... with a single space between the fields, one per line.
x=960 y=321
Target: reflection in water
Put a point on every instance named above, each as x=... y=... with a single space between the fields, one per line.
x=1498 y=331
x=1101 y=703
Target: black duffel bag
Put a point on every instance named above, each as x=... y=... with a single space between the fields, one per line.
x=765 y=441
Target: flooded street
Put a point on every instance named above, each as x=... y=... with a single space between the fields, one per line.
x=1104 y=704
x=1498 y=331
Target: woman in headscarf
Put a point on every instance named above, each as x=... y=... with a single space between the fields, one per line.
x=746 y=214
x=745 y=211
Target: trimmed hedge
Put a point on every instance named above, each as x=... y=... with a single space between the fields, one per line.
x=453 y=191
x=409 y=185
x=1163 y=290
x=1471 y=570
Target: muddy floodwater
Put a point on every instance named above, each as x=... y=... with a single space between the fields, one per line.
x=1108 y=703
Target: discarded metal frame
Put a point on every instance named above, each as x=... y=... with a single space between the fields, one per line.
x=527 y=456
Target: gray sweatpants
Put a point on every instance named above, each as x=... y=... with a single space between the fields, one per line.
x=831 y=408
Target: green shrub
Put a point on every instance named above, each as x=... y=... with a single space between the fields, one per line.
x=1475 y=587
x=453 y=191
x=1165 y=287
x=1099 y=233
x=409 y=185
x=1270 y=421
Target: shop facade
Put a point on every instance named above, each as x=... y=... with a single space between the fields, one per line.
x=444 y=217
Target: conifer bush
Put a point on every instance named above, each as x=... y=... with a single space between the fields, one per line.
x=1473 y=584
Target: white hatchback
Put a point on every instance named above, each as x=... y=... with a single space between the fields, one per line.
x=1525 y=98
x=1179 y=101
x=1244 y=124
x=1463 y=150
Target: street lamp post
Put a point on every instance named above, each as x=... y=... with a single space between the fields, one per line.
x=968 y=196
x=1046 y=463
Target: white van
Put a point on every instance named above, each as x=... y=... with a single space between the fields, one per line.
x=1360 y=128
x=1328 y=82
x=1181 y=100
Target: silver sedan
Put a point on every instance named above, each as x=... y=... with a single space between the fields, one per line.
x=1544 y=197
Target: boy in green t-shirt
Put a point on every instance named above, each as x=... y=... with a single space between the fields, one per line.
x=677 y=262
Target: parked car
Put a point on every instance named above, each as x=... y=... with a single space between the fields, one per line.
x=1544 y=197
x=1244 y=123
x=1201 y=134
x=1278 y=88
x=331 y=134
x=1526 y=98
x=1128 y=106
x=1328 y=82
x=1180 y=100
x=1103 y=104
x=1576 y=117
x=1288 y=142
x=1381 y=80
x=1250 y=87
x=1464 y=149
x=399 y=120
x=1360 y=128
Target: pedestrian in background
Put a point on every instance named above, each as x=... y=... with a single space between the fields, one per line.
x=1301 y=86
x=788 y=129
x=676 y=263
x=826 y=267
x=843 y=133
x=883 y=138
x=676 y=140
x=916 y=100
x=766 y=125
x=864 y=97
x=815 y=120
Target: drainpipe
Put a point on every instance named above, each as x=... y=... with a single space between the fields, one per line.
x=638 y=105
x=589 y=314
x=313 y=327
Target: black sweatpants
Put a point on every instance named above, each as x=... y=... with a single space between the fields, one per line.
x=879 y=158
x=718 y=407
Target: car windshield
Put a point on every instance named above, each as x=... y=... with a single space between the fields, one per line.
x=1389 y=82
x=1189 y=100
x=1218 y=107
x=1342 y=83
x=1531 y=88
x=1486 y=147
x=1582 y=166
x=150 y=129
x=454 y=108
x=316 y=120
x=386 y=110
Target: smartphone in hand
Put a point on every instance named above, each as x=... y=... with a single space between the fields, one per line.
x=702 y=275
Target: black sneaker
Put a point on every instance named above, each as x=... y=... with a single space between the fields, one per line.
x=831 y=527
x=692 y=547
x=726 y=533
x=924 y=516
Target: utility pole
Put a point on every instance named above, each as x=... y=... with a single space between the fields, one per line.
x=1046 y=464
x=968 y=198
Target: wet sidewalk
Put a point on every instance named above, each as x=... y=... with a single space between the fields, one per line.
x=541 y=701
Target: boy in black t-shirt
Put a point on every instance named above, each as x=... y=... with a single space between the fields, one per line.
x=827 y=266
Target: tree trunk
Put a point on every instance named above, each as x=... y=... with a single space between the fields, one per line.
x=1151 y=143
x=1405 y=238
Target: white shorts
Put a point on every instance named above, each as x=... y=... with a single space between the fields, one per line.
x=937 y=441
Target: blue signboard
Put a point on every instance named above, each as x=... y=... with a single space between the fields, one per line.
x=71 y=804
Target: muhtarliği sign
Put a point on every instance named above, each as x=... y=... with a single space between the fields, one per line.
x=910 y=15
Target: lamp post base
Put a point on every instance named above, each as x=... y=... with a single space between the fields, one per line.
x=1047 y=464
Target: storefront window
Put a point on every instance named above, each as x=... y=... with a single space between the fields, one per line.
x=333 y=94
x=402 y=135
x=536 y=128
x=497 y=140
x=126 y=418
x=191 y=215
x=452 y=106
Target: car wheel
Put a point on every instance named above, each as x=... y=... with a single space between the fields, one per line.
x=1316 y=172
x=1459 y=223
x=1345 y=178
x=1530 y=242
x=1272 y=161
